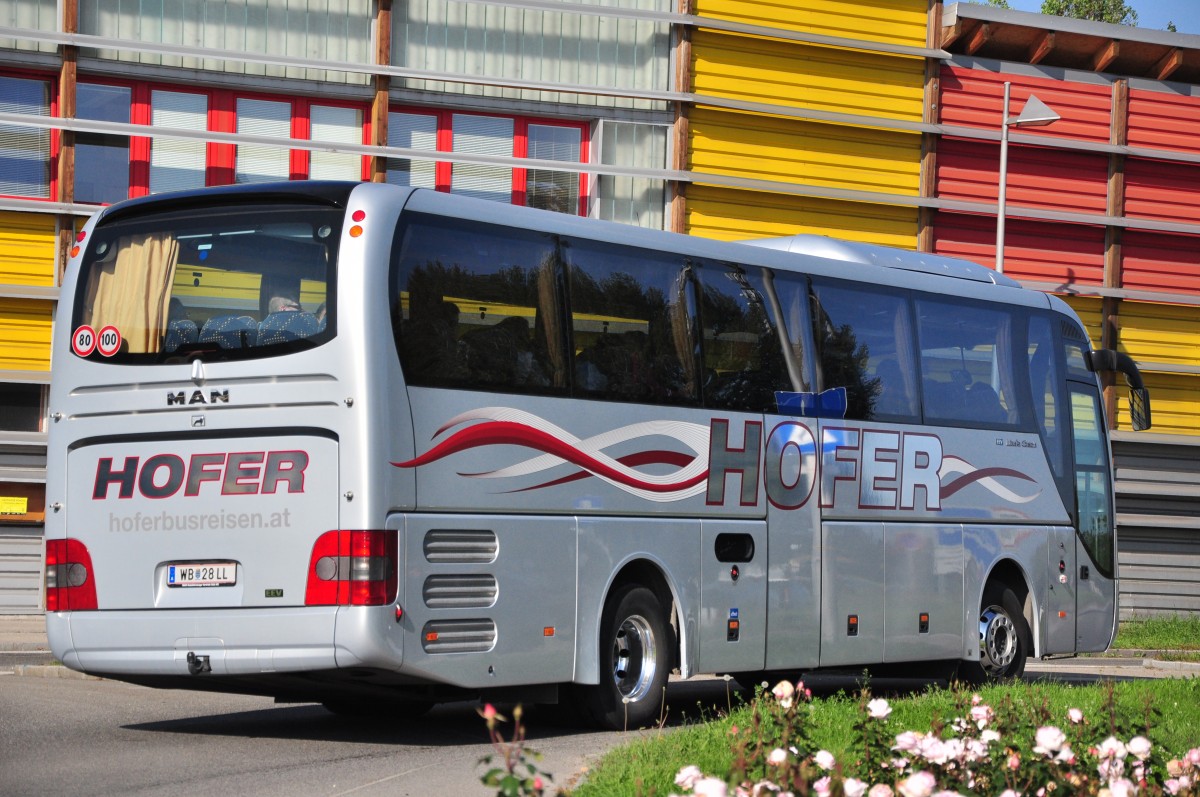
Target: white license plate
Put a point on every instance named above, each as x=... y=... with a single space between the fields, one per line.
x=202 y=574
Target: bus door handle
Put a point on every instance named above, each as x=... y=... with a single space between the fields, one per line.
x=1084 y=572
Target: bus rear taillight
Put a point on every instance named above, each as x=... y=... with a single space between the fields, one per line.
x=70 y=582
x=352 y=568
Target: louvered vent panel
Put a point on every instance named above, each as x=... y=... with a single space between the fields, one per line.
x=458 y=636
x=459 y=591
x=460 y=546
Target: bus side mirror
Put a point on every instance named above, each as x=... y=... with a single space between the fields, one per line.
x=1139 y=408
x=1139 y=396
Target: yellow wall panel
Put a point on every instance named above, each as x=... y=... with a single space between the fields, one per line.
x=1174 y=403
x=890 y=21
x=731 y=215
x=26 y=249
x=1088 y=309
x=788 y=150
x=806 y=76
x=1162 y=333
x=25 y=334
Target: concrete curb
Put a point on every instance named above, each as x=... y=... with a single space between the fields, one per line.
x=1180 y=666
x=48 y=671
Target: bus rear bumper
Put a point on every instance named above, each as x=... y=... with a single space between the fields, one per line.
x=245 y=642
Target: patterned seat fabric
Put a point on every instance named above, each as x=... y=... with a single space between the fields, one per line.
x=230 y=331
x=180 y=333
x=287 y=326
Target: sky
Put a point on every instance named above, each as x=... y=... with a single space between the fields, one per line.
x=1152 y=14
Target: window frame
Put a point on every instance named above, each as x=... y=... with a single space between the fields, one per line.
x=444 y=138
x=55 y=143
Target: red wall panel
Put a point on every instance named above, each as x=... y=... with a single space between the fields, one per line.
x=1033 y=250
x=1157 y=261
x=1037 y=177
x=974 y=98
x=1163 y=121
x=1162 y=190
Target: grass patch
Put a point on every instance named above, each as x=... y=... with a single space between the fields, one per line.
x=1159 y=633
x=648 y=764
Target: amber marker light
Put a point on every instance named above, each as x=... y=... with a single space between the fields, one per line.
x=356 y=231
x=548 y=631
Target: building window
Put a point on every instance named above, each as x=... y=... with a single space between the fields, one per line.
x=412 y=131
x=177 y=164
x=632 y=200
x=102 y=160
x=24 y=151
x=343 y=126
x=260 y=163
x=475 y=134
x=482 y=135
x=553 y=190
x=22 y=407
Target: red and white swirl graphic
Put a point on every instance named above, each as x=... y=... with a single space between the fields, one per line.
x=984 y=477
x=504 y=426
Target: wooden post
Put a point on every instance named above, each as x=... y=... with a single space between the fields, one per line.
x=65 y=182
x=929 y=141
x=1110 y=324
x=681 y=131
x=383 y=84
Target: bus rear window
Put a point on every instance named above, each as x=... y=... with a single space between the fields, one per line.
x=222 y=283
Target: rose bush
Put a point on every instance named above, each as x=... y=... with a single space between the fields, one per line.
x=1000 y=751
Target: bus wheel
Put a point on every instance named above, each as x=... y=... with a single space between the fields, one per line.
x=1004 y=639
x=635 y=656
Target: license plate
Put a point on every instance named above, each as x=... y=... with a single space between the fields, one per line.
x=202 y=574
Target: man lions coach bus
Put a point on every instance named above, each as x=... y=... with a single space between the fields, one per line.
x=378 y=447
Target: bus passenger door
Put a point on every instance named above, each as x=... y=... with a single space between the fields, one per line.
x=733 y=596
x=1095 y=573
x=1058 y=635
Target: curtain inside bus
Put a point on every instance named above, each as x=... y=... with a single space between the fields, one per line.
x=131 y=290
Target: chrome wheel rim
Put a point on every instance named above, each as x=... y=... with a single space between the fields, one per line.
x=997 y=640
x=634 y=658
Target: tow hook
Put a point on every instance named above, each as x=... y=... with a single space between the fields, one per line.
x=198 y=664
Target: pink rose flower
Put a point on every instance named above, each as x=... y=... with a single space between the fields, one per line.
x=918 y=784
x=878 y=709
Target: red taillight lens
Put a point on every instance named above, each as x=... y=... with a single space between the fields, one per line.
x=70 y=581
x=352 y=568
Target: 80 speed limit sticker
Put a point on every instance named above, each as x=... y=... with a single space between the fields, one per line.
x=83 y=342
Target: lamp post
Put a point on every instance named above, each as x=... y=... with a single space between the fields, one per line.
x=1035 y=114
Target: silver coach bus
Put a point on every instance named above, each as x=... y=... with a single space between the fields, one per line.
x=379 y=447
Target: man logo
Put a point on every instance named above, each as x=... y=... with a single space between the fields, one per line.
x=197 y=397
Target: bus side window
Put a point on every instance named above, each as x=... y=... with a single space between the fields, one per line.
x=967 y=363
x=743 y=362
x=476 y=306
x=632 y=324
x=864 y=339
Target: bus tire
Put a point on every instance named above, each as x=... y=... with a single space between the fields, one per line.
x=1004 y=638
x=636 y=647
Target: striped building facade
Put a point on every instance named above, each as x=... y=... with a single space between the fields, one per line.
x=869 y=120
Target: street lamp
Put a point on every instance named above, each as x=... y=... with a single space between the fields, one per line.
x=1035 y=114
